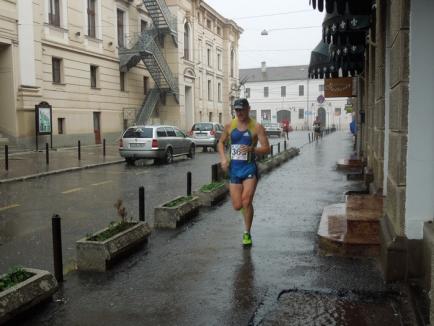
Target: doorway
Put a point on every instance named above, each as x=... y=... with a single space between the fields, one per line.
x=322 y=117
x=188 y=107
x=97 y=127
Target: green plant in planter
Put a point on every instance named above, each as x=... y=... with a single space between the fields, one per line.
x=211 y=186
x=114 y=227
x=178 y=201
x=14 y=276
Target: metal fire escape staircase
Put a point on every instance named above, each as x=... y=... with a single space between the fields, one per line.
x=145 y=47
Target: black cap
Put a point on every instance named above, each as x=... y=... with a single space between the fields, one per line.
x=241 y=103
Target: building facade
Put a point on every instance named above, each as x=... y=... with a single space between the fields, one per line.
x=276 y=94
x=74 y=56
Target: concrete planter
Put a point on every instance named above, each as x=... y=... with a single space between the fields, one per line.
x=171 y=217
x=211 y=198
x=36 y=289
x=264 y=167
x=100 y=255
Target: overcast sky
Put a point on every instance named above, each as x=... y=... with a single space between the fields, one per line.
x=290 y=46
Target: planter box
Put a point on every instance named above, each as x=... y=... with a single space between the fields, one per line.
x=211 y=198
x=22 y=296
x=171 y=217
x=100 y=255
x=264 y=167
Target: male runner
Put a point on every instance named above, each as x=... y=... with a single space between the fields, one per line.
x=242 y=135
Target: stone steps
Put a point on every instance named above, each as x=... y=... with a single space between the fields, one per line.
x=351 y=228
x=349 y=165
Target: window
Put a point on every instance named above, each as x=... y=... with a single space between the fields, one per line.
x=220 y=120
x=338 y=111
x=91 y=26
x=219 y=92
x=120 y=16
x=219 y=30
x=247 y=92
x=93 y=76
x=161 y=132
x=209 y=90
x=54 y=13
x=283 y=91
x=60 y=126
x=210 y=117
x=300 y=90
x=219 y=61
x=321 y=88
x=145 y=85
x=208 y=23
x=301 y=113
x=186 y=42
x=208 y=56
x=179 y=133
x=57 y=70
x=232 y=62
x=170 y=132
x=143 y=25
x=265 y=91
x=200 y=87
x=122 y=81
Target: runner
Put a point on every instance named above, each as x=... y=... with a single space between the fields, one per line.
x=242 y=134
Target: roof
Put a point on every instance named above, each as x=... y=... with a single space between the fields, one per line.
x=274 y=73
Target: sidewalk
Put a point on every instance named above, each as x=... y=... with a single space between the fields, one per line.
x=201 y=275
x=32 y=164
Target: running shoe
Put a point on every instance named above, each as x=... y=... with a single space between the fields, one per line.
x=247 y=239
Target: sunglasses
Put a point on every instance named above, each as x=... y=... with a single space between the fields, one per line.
x=239 y=109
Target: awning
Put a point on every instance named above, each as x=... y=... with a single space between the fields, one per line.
x=355 y=7
x=319 y=66
x=345 y=29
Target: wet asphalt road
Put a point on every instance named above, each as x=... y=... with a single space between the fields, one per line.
x=200 y=274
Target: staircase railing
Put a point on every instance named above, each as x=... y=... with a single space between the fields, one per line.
x=161 y=15
x=148 y=106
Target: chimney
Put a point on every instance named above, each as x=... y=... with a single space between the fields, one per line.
x=263 y=67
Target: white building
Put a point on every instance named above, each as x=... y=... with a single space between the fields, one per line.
x=279 y=93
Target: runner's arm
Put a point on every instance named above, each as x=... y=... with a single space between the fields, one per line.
x=263 y=140
x=221 y=147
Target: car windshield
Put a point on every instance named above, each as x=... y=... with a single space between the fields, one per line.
x=138 y=133
x=202 y=127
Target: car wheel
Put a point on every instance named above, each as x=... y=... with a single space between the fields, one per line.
x=169 y=156
x=192 y=151
x=129 y=160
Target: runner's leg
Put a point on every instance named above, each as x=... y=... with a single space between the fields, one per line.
x=236 y=190
x=248 y=191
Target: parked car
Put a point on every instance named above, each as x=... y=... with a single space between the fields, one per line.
x=158 y=142
x=206 y=134
x=273 y=129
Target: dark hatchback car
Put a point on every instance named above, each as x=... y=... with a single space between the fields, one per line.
x=160 y=143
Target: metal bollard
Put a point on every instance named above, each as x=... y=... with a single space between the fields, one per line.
x=309 y=137
x=278 y=148
x=79 y=150
x=57 y=247
x=6 y=157
x=103 y=147
x=214 y=171
x=284 y=145
x=188 y=183
x=142 y=203
x=47 y=155
x=272 y=150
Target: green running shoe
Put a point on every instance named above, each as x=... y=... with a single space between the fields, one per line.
x=247 y=239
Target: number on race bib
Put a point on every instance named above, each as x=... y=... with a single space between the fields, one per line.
x=236 y=153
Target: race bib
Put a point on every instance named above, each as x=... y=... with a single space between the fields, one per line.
x=236 y=153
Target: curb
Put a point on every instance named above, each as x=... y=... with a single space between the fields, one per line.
x=43 y=174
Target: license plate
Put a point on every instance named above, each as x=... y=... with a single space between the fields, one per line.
x=137 y=145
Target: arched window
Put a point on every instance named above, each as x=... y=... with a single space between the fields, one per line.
x=232 y=62
x=186 y=41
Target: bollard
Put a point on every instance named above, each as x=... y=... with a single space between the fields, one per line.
x=47 y=155
x=79 y=150
x=284 y=145
x=278 y=148
x=142 y=203
x=188 y=183
x=214 y=168
x=6 y=157
x=57 y=247
x=103 y=147
x=272 y=149
x=309 y=137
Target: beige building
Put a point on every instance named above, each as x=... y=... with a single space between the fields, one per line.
x=103 y=65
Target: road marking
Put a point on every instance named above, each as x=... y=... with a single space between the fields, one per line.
x=101 y=183
x=71 y=190
x=8 y=207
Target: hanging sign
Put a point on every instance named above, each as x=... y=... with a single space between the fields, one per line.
x=338 y=87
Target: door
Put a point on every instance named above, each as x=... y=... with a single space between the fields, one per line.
x=283 y=115
x=97 y=127
x=322 y=117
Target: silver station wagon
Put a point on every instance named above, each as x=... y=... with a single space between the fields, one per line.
x=160 y=143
